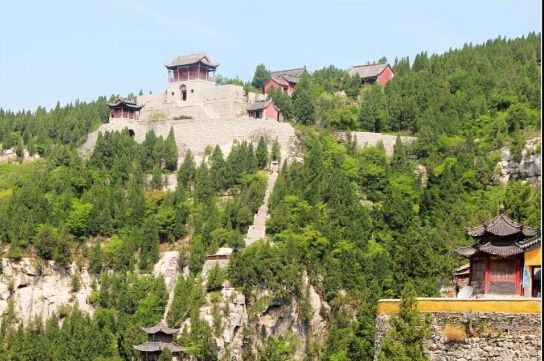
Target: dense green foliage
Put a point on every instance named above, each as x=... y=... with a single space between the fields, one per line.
x=360 y=223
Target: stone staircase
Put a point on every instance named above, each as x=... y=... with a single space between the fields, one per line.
x=258 y=229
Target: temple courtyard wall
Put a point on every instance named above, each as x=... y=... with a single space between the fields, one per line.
x=196 y=134
x=495 y=329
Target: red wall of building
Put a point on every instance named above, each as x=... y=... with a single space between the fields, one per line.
x=271 y=112
x=271 y=84
x=386 y=75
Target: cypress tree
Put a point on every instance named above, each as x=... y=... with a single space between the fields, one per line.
x=261 y=153
x=170 y=151
x=407 y=331
x=187 y=171
x=261 y=76
x=135 y=198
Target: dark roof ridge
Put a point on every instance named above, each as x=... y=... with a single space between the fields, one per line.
x=378 y=63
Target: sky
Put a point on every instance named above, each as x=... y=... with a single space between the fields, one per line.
x=66 y=50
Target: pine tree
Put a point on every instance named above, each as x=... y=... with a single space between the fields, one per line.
x=157 y=181
x=261 y=153
x=170 y=151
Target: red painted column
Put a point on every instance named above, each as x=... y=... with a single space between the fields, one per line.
x=518 y=280
x=487 y=276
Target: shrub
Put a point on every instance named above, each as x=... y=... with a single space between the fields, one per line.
x=454 y=333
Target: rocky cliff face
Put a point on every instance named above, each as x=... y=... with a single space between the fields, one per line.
x=528 y=168
x=245 y=327
x=38 y=290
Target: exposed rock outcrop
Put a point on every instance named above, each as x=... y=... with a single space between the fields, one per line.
x=40 y=292
x=528 y=168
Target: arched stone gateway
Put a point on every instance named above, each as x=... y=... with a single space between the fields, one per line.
x=131 y=133
x=183 y=91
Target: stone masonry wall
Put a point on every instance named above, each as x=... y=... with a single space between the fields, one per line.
x=490 y=336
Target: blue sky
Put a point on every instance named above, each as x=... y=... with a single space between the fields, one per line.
x=65 y=50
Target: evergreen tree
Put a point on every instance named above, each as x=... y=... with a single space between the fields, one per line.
x=166 y=355
x=218 y=169
x=187 y=171
x=275 y=153
x=261 y=76
x=303 y=100
x=407 y=331
x=149 y=254
x=95 y=259
x=262 y=153
x=136 y=198
x=170 y=151
x=46 y=242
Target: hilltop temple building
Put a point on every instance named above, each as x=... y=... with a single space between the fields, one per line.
x=192 y=92
x=505 y=258
x=159 y=337
x=370 y=74
x=124 y=108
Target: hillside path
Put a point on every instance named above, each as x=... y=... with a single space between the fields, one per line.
x=258 y=229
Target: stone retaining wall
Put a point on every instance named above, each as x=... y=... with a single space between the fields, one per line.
x=489 y=336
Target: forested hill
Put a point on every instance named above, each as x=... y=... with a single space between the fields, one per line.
x=360 y=224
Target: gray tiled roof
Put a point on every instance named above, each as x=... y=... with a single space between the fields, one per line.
x=125 y=102
x=530 y=242
x=258 y=105
x=160 y=327
x=502 y=225
x=296 y=73
x=192 y=59
x=368 y=71
x=157 y=346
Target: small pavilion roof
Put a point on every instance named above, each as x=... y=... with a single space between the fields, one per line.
x=192 y=59
x=256 y=106
x=501 y=225
x=125 y=102
x=369 y=70
x=158 y=346
x=160 y=327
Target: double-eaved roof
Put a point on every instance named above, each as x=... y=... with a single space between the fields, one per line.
x=124 y=103
x=501 y=237
x=369 y=70
x=502 y=225
x=192 y=59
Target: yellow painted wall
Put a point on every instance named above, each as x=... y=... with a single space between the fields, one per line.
x=533 y=257
x=456 y=305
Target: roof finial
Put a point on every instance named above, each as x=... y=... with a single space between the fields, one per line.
x=501 y=208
